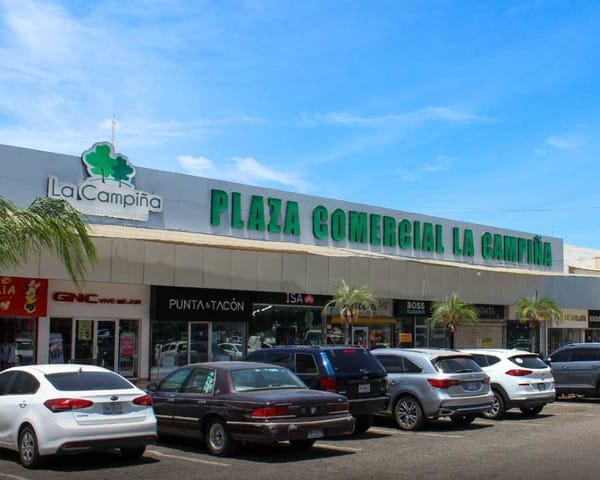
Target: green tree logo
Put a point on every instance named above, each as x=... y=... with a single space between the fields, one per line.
x=102 y=161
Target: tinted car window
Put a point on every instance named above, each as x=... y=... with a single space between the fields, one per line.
x=82 y=380
x=280 y=358
x=305 y=364
x=480 y=359
x=410 y=367
x=23 y=384
x=492 y=360
x=456 y=365
x=562 y=356
x=528 y=361
x=5 y=379
x=586 y=354
x=351 y=360
x=392 y=363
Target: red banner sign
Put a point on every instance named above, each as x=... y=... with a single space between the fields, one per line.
x=23 y=297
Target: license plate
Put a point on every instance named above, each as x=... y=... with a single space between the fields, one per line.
x=112 y=409
x=364 y=388
x=315 y=434
x=471 y=386
x=541 y=386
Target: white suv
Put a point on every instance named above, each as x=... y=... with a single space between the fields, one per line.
x=519 y=379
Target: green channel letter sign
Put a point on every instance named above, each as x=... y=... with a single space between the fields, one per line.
x=274 y=215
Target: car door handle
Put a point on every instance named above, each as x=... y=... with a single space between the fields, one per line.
x=201 y=402
x=23 y=404
x=171 y=400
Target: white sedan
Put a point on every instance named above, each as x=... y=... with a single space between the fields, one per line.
x=68 y=408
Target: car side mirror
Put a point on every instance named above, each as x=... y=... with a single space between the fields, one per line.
x=152 y=387
x=548 y=361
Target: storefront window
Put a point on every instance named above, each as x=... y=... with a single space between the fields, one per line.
x=282 y=325
x=557 y=337
x=521 y=336
x=59 y=348
x=18 y=341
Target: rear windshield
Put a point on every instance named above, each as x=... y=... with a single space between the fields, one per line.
x=352 y=360
x=456 y=365
x=73 y=381
x=264 y=378
x=528 y=361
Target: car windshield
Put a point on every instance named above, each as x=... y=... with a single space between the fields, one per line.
x=528 y=361
x=82 y=380
x=456 y=365
x=264 y=378
x=351 y=360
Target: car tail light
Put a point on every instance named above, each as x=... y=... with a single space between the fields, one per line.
x=328 y=384
x=271 y=412
x=350 y=350
x=143 y=400
x=518 y=372
x=442 y=382
x=66 y=404
x=384 y=383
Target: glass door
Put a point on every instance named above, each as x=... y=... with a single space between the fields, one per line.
x=199 y=344
x=94 y=342
x=360 y=336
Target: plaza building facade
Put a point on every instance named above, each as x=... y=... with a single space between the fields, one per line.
x=193 y=269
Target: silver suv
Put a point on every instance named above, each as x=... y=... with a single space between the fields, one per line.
x=432 y=383
x=576 y=369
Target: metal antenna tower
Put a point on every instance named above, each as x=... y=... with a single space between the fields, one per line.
x=114 y=133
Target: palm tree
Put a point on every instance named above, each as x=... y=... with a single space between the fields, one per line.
x=450 y=313
x=534 y=311
x=350 y=301
x=46 y=224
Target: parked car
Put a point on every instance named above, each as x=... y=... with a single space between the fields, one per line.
x=235 y=350
x=427 y=384
x=519 y=379
x=348 y=370
x=69 y=408
x=576 y=369
x=226 y=403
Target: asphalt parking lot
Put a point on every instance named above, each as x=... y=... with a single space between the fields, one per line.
x=562 y=442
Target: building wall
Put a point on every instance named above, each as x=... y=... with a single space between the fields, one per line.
x=154 y=263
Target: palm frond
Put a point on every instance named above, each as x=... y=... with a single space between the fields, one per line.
x=46 y=224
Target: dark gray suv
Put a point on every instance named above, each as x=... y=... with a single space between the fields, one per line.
x=350 y=371
x=576 y=369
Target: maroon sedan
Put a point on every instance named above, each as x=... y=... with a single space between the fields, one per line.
x=231 y=402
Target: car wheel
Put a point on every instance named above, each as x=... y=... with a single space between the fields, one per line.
x=132 y=453
x=362 y=423
x=498 y=408
x=29 y=454
x=218 y=439
x=531 y=411
x=462 y=419
x=303 y=444
x=409 y=414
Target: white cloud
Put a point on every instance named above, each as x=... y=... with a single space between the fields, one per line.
x=415 y=117
x=440 y=164
x=563 y=142
x=242 y=170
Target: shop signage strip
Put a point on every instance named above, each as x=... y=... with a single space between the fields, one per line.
x=23 y=297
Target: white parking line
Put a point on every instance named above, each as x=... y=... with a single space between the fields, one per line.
x=401 y=432
x=188 y=459
x=326 y=446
